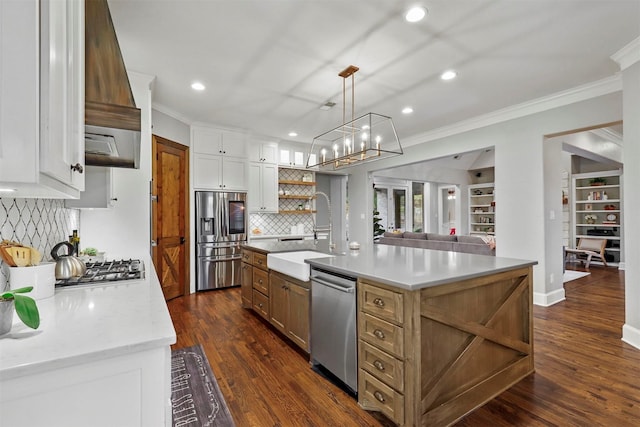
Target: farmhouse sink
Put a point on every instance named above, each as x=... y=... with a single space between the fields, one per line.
x=292 y=263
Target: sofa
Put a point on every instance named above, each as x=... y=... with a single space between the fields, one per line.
x=440 y=242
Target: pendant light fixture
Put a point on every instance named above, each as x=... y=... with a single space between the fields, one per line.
x=363 y=139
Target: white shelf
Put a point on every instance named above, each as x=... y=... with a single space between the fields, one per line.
x=483 y=202
x=598 y=187
x=582 y=190
x=598 y=237
x=599 y=201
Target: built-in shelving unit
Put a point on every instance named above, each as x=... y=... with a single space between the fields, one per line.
x=296 y=189
x=597 y=210
x=482 y=209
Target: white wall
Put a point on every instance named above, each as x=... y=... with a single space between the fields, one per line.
x=124 y=230
x=519 y=178
x=170 y=128
x=631 y=178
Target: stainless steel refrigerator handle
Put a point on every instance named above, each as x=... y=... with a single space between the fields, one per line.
x=332 y=286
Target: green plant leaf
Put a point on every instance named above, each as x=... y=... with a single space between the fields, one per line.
x=27 y=311
x=22 y=290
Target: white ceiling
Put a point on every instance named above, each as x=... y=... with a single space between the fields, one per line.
x=269 y=64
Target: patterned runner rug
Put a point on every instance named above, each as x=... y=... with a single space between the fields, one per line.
x=196 y=399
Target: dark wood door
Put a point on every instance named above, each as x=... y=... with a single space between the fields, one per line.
x=170 y=211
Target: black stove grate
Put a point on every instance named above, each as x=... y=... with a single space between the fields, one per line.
x=107 y=271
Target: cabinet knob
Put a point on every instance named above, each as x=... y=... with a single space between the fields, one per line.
x=77 y=168
x=379 y=302
x=378 y=365
x=379 y=334
x=114 y=199
x=260 y=281
x=379 y=396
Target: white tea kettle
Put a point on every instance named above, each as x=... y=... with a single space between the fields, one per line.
x=67 y=265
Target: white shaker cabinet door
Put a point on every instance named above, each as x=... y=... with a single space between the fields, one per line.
x=62 y=91
x=18 y=92
x=207 y=172
x=42 y=98
x=234 y=173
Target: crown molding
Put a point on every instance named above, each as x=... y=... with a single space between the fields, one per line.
x=608 y=134
x=628 y=55
x=570 y=96
x=172 y=113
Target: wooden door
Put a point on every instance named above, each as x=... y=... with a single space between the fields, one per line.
x=169 y=212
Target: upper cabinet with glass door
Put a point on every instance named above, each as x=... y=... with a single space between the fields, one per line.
x=293 y=156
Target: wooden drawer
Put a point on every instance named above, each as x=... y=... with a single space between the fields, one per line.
x=261 y=281
x=261 y=304
x=383 y=366
x=382 y=303
x=381 y=334
x=260 y=260
x=373 y=394
x=247 y=256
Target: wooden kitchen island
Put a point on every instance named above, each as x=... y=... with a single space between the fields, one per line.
x=439 y=333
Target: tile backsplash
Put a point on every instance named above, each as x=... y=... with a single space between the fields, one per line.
x=40 y=223
x=281 y=223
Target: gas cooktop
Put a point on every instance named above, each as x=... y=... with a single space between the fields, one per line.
x=107 y=271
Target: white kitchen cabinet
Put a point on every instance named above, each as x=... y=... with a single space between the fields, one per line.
x=263 y=187
x=219 y=161
x=219 y=172
x=137 y=384
x=218 y=142
x=292 y=156
x=42 y=98
x=265 y=152
x=99 y=191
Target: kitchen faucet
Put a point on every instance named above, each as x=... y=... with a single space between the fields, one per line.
x=315 y=228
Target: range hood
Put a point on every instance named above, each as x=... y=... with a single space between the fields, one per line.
x=112 y=121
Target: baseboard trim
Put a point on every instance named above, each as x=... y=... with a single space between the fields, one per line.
x=622 y=266
x=548 y=299
x=631 y=335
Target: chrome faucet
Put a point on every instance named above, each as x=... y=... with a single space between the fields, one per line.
x=315 y=228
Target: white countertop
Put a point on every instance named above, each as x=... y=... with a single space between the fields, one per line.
x=89 y=323
x=415 y=268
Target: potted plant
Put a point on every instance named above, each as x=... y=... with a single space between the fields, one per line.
x=597 y=181
x=378 y=229
x=24 y=306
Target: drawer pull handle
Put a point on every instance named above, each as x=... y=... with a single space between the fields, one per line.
x=260 y=281
x=379 y=302
x=379 y=396
x=379 y=365
x=378 y=333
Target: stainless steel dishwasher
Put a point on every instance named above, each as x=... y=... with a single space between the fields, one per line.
x=333 y=325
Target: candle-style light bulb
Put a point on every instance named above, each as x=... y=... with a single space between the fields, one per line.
x=323 y=154
x=378 y=139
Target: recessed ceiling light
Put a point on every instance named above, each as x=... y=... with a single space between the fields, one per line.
x=197 y=86
x=293 y=134
x=448 y=75
x=407 y=110
x=415 y=14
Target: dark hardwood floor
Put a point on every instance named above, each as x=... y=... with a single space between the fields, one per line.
x=585 y=374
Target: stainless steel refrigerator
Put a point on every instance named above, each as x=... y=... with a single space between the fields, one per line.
x=221 y=227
